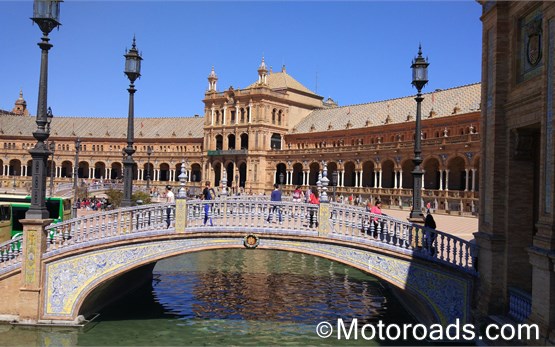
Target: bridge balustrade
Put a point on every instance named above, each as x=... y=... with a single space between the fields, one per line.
x=346 y=223
x=10 y=254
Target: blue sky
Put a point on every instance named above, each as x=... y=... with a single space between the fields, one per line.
x=354 y=52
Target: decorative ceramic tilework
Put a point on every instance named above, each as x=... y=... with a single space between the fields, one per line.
x=30 y=262
x=446 y=294
x=67 y=280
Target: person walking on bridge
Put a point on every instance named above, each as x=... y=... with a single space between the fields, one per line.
x=170 y=198
x=275 y=196
x=207 y=194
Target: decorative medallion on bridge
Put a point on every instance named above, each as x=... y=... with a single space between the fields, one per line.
x=251 y=241
x=533 y=44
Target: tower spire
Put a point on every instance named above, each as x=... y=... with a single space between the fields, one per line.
x=212 y=79
x=262 y=73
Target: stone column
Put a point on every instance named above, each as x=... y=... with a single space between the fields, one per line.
x=395 y=181
x=440 y=179
x=34 y=239
x=446 y=179
x=380 y=181
x=466 y=180
x=400 y=180
x=343 y=178
x=223 y=115
x=473 y=180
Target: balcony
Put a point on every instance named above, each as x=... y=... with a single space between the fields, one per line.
x=221 y=152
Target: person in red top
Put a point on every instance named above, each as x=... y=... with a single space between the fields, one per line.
x=313 y=200
x=377 y=210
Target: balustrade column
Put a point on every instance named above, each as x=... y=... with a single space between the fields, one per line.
x=446 y=179
x=440 y=179
x=466 y=180
x=473 y=180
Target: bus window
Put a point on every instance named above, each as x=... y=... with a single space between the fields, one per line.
x=5 y=212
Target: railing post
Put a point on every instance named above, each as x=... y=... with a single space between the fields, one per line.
x=324 y=219
x=180 y=215
x=34 y=241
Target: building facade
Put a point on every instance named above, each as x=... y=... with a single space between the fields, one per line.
x=517 y=221
x=274 y=129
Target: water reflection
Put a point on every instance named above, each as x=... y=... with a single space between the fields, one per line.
x=238 y=297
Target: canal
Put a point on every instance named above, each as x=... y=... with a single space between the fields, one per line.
x=232 y=297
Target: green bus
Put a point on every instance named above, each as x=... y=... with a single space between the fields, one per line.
x=59 y=209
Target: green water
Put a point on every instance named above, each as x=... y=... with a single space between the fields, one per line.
x=232 y=297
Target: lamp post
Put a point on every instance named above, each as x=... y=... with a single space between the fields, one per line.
x=334 y=182
x=133 y=71
x=419 y=79
x=46 y=15
x=52 y=146
x=75 y=177
x=281 y=180
x=148 y=153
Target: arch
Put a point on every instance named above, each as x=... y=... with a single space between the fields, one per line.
x=431 y=173
x=229 y=173
x=281 y=174
x=219 y=142
x=83 y=170
x=15 y=168
x=274 y=116
x=148 y=171
x=457 y=174
x=50 y=168
x=332 y=168
x=217 y=173
x=196 y=172
x=242 y=174
x=65 y=294
x=298 y=174
x=368 y=179
x=29 y=166
x=388 y=173
x=117 y=171
x=231 y=141
x=408 y=167
x=244 y=141
x=314 y=170
x=67 y=169
x=99 y=169
x=349 y=175
x=164 y=174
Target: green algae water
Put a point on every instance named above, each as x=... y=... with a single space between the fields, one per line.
x=232 y=297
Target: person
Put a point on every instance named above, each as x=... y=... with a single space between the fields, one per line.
x=170 y=198
x=430 y=235
x=298 y=194
x=307 y=195
x=313 y=200
x=377 y=210
x=275 y=196
x=207 y=194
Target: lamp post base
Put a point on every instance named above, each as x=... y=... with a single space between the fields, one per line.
x=416 y=217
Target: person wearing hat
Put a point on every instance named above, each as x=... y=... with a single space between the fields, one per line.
x=170 y=198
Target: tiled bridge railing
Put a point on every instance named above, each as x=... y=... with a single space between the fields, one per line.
x=347 y=223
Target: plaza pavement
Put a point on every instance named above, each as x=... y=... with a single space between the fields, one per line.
x=462 y=227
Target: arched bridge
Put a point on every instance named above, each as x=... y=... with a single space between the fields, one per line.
x=47 y=275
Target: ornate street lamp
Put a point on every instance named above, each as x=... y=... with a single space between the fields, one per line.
x=148 y=153
x=46 y=14
x=75 y=177
x=133 y=71
x=334 y=183
x=419 y=79
x=52 y=167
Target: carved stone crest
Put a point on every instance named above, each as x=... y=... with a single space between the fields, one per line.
x=533 y=41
